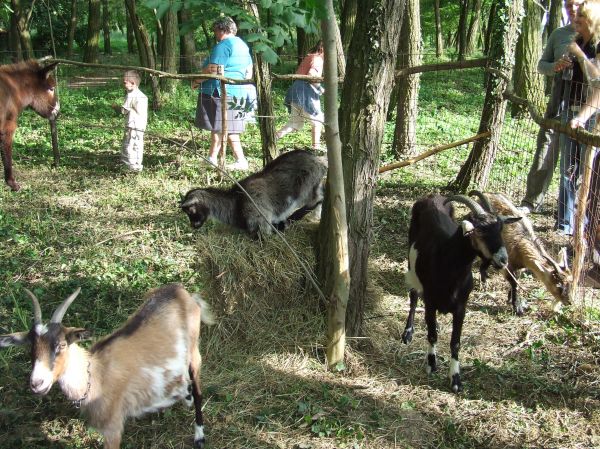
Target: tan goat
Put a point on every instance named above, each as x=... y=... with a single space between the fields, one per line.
x=148 y=364
x=525 y=250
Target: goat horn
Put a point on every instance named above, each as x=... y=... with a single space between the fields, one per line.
x=59 y=313
x=37 y=311
x=469 y=202
x=552 y=262
x=485 y=201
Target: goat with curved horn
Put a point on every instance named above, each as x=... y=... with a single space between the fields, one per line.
x=469 y=202
x=37 y=310
x=59 y=313
x=485 y=202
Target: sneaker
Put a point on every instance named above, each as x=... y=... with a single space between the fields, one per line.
x=213 y=160
x=241 y=165
x=525 y=210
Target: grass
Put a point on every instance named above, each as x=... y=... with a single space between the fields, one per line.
x=529 y=382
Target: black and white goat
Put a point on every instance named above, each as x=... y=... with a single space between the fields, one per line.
x=440 y=259
x=285 y=190
x=148 y=364
x=525 y=250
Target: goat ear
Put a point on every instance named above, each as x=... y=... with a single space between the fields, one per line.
x=189 y=202
x=467 y=227
x=73 y=334
x=564 y=258
x=16 y=339
x=509 y=220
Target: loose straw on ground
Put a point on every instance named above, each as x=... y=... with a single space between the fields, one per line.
x=431 y=152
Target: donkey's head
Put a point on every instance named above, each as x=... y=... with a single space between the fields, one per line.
x=44 y=100
x=49 y=344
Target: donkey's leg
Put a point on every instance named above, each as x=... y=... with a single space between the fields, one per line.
x=6 y=138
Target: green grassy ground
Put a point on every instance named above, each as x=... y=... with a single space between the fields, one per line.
x=529 y=382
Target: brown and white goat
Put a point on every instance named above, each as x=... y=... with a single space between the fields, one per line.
x=525 y=251
x=148 y=364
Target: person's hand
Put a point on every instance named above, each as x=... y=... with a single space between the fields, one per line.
x=576 y=123
x=575 y=50
x=564 y=62
x=195 y=83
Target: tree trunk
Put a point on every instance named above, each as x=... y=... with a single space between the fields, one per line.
x=439 y=41
x=410 y=49
x=207 y=35
x=347 y=20
x=187 y=44
x=14 y=39
x=106 y=27
x=488 y=32
x=554 y=16
x=529 y=83
x=145 y=50
x=333 y=230
x=473 y=32
x=22 y=16
x=169 y=49
x=462 y=30
x=131 y=46
x=505 y=34
x=93 y=32
x=363 y=108
x=339 y=45
x=262 y=75
x=72 y=27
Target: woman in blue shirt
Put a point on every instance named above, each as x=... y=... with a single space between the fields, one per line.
x=232 y=55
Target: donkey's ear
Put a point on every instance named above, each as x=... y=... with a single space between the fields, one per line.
x=16 y=339
x=45 y=71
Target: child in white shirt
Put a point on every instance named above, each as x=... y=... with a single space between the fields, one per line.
x=135 y=110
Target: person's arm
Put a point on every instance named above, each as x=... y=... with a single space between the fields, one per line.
x=588 y=66
x=547 y=64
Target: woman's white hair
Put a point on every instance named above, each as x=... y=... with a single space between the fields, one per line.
x=225 y=24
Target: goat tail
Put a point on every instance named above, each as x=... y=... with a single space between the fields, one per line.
x=206 y=314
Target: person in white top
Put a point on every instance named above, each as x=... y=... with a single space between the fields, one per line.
x=135 y=110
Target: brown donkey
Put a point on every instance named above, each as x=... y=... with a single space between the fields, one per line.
x=25 y=84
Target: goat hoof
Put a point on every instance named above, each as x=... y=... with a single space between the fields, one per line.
x=456 y=383
x=431 y=363
x=407 y=336
x=199 y=444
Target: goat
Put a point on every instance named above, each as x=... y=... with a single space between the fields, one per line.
x=441 y=255
x=525 y=250
x=148 y=364
x=285 y=190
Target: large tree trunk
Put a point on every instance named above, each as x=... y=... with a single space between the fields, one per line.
x=333 y=231
x=131 y=44
x=262 y=75
x=488 y=32
x=187 y=44
x=145 y=50
x=529 y=83
x=106 y=27
x=169 y=49
x=364 y=103
x=339 y=45
x=72 y=27
x=462 y=30
x=347 y=20
x=555 y=16
x=14 y=39
x=93 y=32
x=305 y=42
x=439 y=41
x=505 y=34
x=473 y=32
x=22 y=20
x=410 y=48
